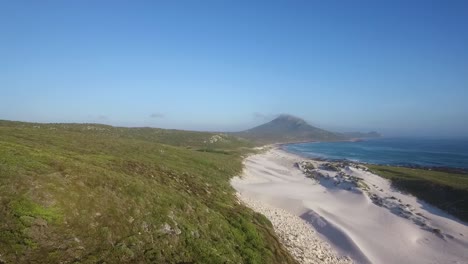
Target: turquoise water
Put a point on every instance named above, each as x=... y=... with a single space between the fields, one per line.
x=392 y=151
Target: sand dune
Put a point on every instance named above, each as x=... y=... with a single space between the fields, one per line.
x=356 y=212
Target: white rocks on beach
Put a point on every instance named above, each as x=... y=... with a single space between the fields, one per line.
x=296 y=235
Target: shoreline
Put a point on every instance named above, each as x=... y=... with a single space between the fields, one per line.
x=348 y=218
x=459 y=170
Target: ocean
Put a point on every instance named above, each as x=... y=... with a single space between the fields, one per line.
x=451 y=153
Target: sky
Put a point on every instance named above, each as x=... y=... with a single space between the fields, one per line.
x=398 y=67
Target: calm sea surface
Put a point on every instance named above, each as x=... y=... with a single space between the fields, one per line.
x=392 y=151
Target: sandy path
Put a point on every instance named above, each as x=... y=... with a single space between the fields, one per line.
x=378 y=225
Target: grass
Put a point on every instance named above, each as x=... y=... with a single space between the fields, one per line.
x=448 y=191
x=91 y=193
x=24 y=208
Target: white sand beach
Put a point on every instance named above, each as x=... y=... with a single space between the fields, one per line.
x=350 y=212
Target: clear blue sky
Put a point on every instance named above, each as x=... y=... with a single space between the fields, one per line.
x=399 y=67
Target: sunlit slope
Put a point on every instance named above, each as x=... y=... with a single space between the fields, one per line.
x=94 y=193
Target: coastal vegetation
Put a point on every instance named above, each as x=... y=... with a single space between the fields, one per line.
x=92 y=193
x=446 y=190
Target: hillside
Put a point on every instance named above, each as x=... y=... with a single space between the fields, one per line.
x=446 y=190
x=91 y=193
x=288 y=129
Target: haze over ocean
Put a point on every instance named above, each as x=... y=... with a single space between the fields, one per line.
x=392 y=151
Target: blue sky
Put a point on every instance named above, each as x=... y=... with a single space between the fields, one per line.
x=399 y=67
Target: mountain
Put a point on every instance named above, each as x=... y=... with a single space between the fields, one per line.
x=288 y=129
x=371 y=134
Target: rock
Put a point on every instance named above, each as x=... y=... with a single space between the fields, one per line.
x=298 y=237
x=145 y=227
x=195 y=234
x=167 y=229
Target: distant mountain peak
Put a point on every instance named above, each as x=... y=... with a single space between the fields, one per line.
x=287 y=128
x=289 y=118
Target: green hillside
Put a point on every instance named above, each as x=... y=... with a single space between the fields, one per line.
x=446 y=190
x=87 y=193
